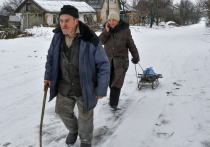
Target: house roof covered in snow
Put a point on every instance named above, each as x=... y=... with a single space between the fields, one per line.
x=55 y=6
x=128 y=8
x=96 y=4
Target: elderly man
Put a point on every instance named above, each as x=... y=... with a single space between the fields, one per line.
x=77 y=70
x=117 y=40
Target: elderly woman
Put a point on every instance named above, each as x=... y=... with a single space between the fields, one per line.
x=117 y=40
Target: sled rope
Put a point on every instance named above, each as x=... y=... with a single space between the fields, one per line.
x=136 y=74
x=141 y=67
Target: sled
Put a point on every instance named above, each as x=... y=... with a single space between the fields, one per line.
x=149 y=80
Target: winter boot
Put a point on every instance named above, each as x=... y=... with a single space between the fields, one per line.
x=114 y=108
x=85 y=145
x=71 y=138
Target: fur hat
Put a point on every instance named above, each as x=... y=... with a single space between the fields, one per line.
x=114 y=15
x=71 y=10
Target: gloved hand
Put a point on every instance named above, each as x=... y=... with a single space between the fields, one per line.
x=134 y=61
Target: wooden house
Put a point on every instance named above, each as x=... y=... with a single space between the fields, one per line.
x=46 y=13
x=101 y=6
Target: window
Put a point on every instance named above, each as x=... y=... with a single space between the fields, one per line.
x=54 y=18
x=85 y=18
x=111 y=1
x=28 y=7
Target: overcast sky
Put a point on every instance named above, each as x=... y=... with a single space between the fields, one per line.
x=175 y=1
x=1 y=2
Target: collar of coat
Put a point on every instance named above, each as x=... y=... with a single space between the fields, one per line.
x=86 y=34
x=120 y=26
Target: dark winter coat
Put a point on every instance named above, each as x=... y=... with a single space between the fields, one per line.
x=94 y=66
x=117 y=42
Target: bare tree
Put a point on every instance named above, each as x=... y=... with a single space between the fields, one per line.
x=188 y=12
x=197 y=13
x=156 y=9
x=186 y=9
x=11 y=5
x=161 y=9
x=206 y=6
x=143 y=11
x=164 y=10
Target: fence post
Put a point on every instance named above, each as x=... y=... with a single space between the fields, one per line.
x=27 y=20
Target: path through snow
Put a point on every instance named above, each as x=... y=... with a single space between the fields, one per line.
x=176 y=114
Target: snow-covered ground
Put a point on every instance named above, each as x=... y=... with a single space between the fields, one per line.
x=176 y=114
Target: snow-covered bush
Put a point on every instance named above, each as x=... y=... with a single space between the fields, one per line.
x=40 y=31
x=172 y=24
x=162 y=24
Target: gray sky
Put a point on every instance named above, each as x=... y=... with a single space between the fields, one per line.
x=175 y=1
x=1 y=2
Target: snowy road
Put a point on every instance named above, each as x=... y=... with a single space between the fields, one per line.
x=176 y=114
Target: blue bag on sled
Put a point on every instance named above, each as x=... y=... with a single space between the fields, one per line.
x=149 y=74
x=149 y=71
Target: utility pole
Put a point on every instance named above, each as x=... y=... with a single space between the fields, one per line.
x=107 y=8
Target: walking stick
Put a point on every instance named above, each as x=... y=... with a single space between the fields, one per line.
x=42 y=116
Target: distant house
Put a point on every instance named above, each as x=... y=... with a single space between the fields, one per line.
x=46 y=13
x=15 y=21
x=114 y=6
x=131 y=14
x=101 y=6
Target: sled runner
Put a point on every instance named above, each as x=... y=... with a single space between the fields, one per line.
x=149 y=77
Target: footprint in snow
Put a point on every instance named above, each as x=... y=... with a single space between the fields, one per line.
x=164 y=135
x=177 y=84
x=206 y=143
x=99 y=134
x=6 y=144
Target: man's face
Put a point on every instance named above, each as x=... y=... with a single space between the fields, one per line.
x=112 y=22
x=68 y=23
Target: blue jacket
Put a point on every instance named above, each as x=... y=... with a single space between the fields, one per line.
x=94 y=67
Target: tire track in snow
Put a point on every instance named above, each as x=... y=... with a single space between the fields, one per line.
x=20 y=71
x=22 y=81
x=113 y=120
x=165 y=120
x=14 y=76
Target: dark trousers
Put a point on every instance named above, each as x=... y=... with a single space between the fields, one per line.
x=114 y=96
x=114 y=91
